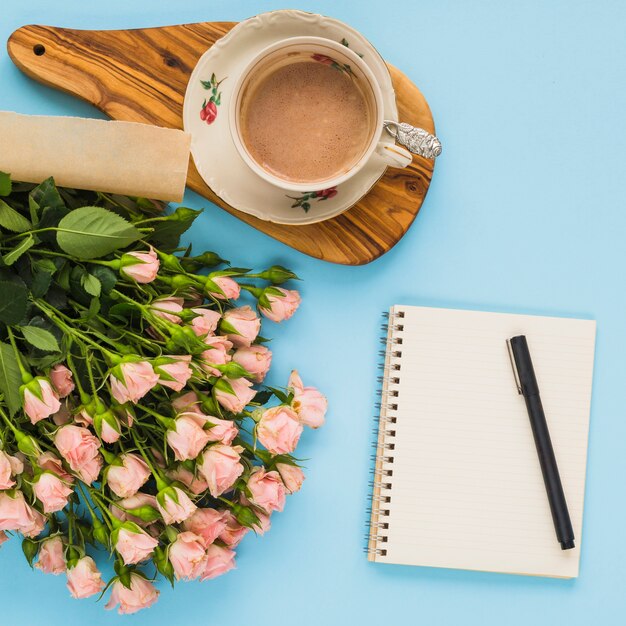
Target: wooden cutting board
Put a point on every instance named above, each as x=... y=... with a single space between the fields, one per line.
x=141 y=75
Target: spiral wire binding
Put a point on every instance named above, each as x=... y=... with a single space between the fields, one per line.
x=384 y=434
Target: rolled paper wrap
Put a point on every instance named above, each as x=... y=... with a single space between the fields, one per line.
x=117 y=157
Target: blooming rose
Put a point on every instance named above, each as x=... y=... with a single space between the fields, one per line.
x=187 y=438
x=9 y=466
x=39 y=399
x=175 y=374
x=174 y=505
x=62 y=380
x=242 y=325
x=141 y=595
x=52 y=492
x=188 y=556
x=291 y=475
x=208 y=113
x=133 y=544
x=141 y=267
x=16 y=514
x=166 y=308
x=308 y=402
x=84 y=579
x=255 y=359
x=219 y=561
x=81 y=450
x=131 y=381
x=279 y=430
x=140 y=500
x=50 y=462
x=194 y=482
x=126 y=479
x=267 y=490
x=221 y=430
x=207 y=524
x=52 y=556
x=229 y=288
x=206 y=322
x=281 y=307
x=221 y=467
x=216 y=354
x=237 y=401
x=233 y=532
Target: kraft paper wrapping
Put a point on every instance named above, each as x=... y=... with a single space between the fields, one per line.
x=116 y=157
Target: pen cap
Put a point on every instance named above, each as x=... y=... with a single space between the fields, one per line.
x=524 y=365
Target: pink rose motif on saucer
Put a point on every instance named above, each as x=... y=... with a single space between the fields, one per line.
x=303 y=201
x=208 y=112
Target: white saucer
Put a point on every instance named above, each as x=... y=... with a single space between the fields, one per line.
x=212 y=147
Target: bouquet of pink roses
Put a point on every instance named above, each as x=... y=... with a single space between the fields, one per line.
x=129 y=417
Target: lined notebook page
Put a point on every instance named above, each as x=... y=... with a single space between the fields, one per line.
x=466 y=489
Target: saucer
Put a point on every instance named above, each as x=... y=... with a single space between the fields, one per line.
x=205 y=117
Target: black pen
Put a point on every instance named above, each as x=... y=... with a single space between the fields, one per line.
x=527 y=386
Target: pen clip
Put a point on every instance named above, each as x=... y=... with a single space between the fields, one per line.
x=518 y=383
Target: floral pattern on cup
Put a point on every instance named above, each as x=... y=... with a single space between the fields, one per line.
x=344 y=42
x=304 y=201
x=208 y=112
x=326 y=60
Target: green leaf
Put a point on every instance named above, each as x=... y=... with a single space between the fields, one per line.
x=12 y=220
x=40 y=338
x=27 y=243
x=91 y=285
x=10 y=378
x=14 y=301
x=106 y=276
x=167 y=232
x=43 y=271
x=91 y=232
x=46 y=194
x=5 y=184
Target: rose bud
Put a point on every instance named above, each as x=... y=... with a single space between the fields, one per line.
x=227 y=288
x=84 y=579
x=194 y=482
x=167 y=308
x=107 y=426
x=174 y=505
x=280 y=306
x=52 y=556
x=291 y=475
x=277 y=274
x=173 y=371
x=279 y=429
x=187 y=402
x=233 y=532
x=132 y=380
x=241 y=326
x=141 y=595
x=237 y=398
x=62 y=380
x=127 y=475
x=48 y=461
x=188 y=556
x=207 y=524
x=142 y=267
x=9 y=466
x=39 y=399
x=132 y=543
x=221 y=430
x=264 y=522
x=267 y=490
x=255 y=359
x=216 y=354
x=52 y=492
x=219 y=561
x=309 y=404
x=187 y=437
x=206 y=321
x=221 y=467
x=81 y=451
x=140 y=508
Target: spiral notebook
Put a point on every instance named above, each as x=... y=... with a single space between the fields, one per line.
x=457 y=481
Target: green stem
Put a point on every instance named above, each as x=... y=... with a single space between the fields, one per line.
x=155 y=472
x=26 y=376
x=11 y=425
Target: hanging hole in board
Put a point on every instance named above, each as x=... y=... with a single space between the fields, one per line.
x=39 y=49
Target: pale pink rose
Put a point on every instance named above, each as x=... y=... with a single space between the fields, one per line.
x=243 y=395
x=81 y=450
x=281 y=307
x=35 y=528
x=52 y=556
x=233 y=532
x=267 y=490
x=175 y=375
x=133 y=544
x=141 y=267
x=221 y=430
x=207 y=524
x=279 y=429
x=135 y=380
x=187 y=402
x=194 y=483
x=126 y=479
x=62 y=416
x=206 y=322
x=221 y=467
x=219 y=561
x=188 y=556
x=52 y=492
x=255 y=359
x=175 y=508
x=264 y=522
x=166 y=308
x=246 y=325
x=229 y=288
x=83 y=418
x=216 y=354
x=9 y=466
x=62 y=380
x=291 y=475
x=137 y=501
x=38 y=408
x=16 y=514
x=308 y=402
x=110 y=429
x=141 y=595
x=187 y=438
x=3 y=537
x=84 y=579
x=50 y=462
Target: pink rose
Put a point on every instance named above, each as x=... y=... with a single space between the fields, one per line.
x=133 y=544
x=187 y=402
x=126 y=479
x=216 y=354
x=207 y=524
x=81 y=450
x=221 y=430
x=187 y=438
x=233 y=532
x=48 y=461
x=229 y=288
x=264 y=522
x=108 y=427
x=141 y=267
x=309 y=404
x=174 y=505
x=62 y=416
x=219 y=561
x=221 y=467
x=52 y=556
x=194 y=483
x=241 y=326
x=139 y=500
x=279 y=430
x=255 y=359
x=291 y=475
x=9 y=466
x=281 y=307
x=84 y=579
x=62 y=380
x=188 y=556
x=206 y=322
x=141 y=595
x=131 y=381
x=267 y=490
x=174 y=374
x=239 y=400
x=167 y=308
x=16 y=514
x=39 y=399
x=52 y=492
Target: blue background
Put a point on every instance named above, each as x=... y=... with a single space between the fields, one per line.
x=526 y=212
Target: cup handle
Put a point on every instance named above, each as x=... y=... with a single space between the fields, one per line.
x=417 y=140
x=393 y=155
